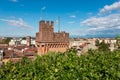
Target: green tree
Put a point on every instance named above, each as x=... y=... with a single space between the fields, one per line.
x=7 y=40
x=103 y=46
x=24 y=38
x=97 y=43
x=68 y=66
x=118 y=40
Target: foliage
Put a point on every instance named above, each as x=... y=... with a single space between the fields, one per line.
x=24 y=38
x=68 y=66
x=118 y=40
x=103 y=46
x=97 y=43
x=6 y=40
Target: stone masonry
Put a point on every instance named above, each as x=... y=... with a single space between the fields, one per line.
x=48 y=40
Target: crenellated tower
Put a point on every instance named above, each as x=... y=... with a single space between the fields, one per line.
x=47 y=40
x=45 y=33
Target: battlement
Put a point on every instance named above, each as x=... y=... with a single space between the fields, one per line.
x=46 y=23
x=47 y=34
x=46 y=26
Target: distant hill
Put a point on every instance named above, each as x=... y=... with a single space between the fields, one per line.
x=92 y=36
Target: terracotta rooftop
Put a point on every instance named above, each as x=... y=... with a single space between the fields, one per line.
x=11 y=54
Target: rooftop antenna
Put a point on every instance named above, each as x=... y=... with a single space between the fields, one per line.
x=58 y=23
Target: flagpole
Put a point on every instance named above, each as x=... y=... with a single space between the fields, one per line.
x=59 y=23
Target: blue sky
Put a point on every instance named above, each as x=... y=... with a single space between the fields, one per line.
x=96 y=18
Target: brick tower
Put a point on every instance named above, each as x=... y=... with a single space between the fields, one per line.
x=47 y=40
x=28 y=39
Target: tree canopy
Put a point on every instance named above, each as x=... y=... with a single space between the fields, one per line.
x=95 y=65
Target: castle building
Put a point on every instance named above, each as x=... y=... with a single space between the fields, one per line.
x=48 y=40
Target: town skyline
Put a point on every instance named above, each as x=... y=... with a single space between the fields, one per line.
x=82 y=18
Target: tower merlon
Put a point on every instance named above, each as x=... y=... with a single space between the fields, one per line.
x=47 y=23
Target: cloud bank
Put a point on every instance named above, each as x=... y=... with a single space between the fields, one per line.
x=104 y=24
x=18 y=23
x=109 y=8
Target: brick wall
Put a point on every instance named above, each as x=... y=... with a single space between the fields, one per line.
x=52 y=41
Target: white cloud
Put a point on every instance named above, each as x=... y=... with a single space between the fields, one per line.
x=14 y=0
x=71 y=22
x=72 y=16
x=109 y=8
x=43 y=8
x=103 y=24
x=17 y=23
